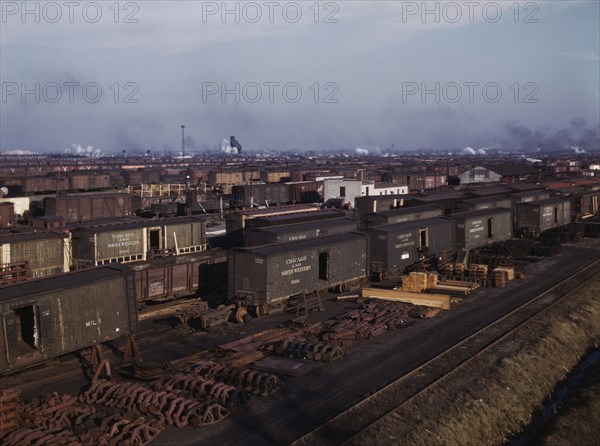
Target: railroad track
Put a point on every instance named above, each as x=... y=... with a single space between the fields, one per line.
x=350 y=424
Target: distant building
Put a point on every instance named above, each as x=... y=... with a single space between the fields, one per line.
x=345 y=190
x=370 y=188
x=496 y=172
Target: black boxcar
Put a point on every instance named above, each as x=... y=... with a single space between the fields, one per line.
x=479 y=228
x=273 y=273
x=537 y=216
x=394 y=247
x=259 y=194
x=46 y=318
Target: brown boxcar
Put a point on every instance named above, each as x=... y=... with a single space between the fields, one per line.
x=50 y=317
x=177 y=276
x=84 y=207
x=89 y=181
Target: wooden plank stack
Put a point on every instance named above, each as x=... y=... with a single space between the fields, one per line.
x=478 y=270
x=503 y=275
x=415 y=282
x=430 y=300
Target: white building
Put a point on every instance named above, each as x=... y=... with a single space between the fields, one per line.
x=345 y=189
x=370 y=188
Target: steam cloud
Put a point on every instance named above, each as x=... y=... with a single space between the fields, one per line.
x=226 y=148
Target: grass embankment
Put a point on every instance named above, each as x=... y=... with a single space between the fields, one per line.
x=577 y=421
x=494 y=396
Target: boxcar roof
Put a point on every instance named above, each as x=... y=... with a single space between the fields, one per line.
x=410 y=224
x=480 y=213
x=289 y=229
x=323 y=213
x=555 y=200
x=129 y=224
x=59 y=281
x=410 y=210
x=278 y=248
x=487 y=199
x=9 y=237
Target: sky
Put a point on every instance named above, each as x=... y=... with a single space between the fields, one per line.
x=302 y=75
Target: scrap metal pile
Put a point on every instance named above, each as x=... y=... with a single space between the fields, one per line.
x=64 y=420
x=371 y=320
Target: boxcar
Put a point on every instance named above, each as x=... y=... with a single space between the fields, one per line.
x=50 y=317
x=84 y=207
x=273 y=273
x=394 y=247
x=306 y=191
x=259 y=194
x=537 y=216
x=483 y=227
x=89 y=181
x=137 y=240
x=178 y=276
x=300 y=231
x=45 y=252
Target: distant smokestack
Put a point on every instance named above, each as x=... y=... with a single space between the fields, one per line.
x=183 y=139
x=234 y=143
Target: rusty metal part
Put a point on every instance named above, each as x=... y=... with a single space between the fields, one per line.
x=258 y=383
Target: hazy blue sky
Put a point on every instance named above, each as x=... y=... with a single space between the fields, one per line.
x=368 y=61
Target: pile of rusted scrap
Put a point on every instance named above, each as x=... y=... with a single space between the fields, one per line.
x=200 y=317
x=62 y=419
x=9 y=409
x=167 y=407
x=305 y=349
x=369 y=321
x=252 y=381
x=247 y=350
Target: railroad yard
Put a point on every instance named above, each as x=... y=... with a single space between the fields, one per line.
x=229 y=310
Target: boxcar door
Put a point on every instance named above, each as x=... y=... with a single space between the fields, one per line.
x=46 y=332
x=10 y=336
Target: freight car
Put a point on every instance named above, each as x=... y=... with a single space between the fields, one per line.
x=482 y=227
x=301 y=231
x=79 y=181
x=137 y=240
x=584 y=201
x=476 y=204
x=172 y=277
x=270 y=274
x=40 y=253
x=537 y=216
x=76 y=208
x=447 y=200
x=46 y=318
x=306 y=192
x=394 y=247
x=259 y=194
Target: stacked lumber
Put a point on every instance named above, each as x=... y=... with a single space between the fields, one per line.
x=478 y=270
x=459 y=268
x=432 y=280
x=455 y=288
x=9 y=410
x=415 y=282
x=503 y=275
x=429 y=300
